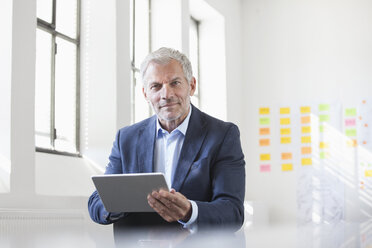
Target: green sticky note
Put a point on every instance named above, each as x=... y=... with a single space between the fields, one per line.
x=323 y=118
x=350 y=112
x=321 y=129
x=324 y=107
x=264 y=121
x=322 y=155
x=350 y=132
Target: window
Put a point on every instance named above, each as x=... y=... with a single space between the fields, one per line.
x=140 y=47
x=57 y=76
x=194 y=58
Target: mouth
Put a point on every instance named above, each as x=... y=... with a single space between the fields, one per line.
x=168 y=105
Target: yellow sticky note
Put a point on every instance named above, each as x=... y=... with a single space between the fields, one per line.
x=306 y=129
x=306 y=150
x=323 y=145
x=265 y=121
x=284 y=111
x=285 y=140
x=264 y=111
x=265 y=156
x=285 y=121
x=264 y=131
x=305 y=110
x=305 y=139
x=287 y=167
x=306 y=161
x=285 y=131
x=368 y=173
x=264 y=142
x=286 y=155
x=305 y=119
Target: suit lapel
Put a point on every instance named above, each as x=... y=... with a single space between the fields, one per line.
x=193 y=140
x=145 y=146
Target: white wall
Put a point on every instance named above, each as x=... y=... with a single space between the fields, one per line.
x=232 y=14
x=298 y=52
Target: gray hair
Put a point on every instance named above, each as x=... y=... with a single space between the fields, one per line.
x=163 y=56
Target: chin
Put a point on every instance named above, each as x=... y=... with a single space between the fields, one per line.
x=170 y=117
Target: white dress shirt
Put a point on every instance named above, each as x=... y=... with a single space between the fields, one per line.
x=167 y=153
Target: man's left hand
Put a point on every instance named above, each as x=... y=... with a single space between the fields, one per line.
x=172 y=205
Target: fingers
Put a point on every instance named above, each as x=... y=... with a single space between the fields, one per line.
x=167 y=212
x=172 y=206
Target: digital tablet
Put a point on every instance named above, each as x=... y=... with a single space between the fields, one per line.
x=128 y=192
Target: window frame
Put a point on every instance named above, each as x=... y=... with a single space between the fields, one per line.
x=51 y=29
x=135 y=69
x=197 y=24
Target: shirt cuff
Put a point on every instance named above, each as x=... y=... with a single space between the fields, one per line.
x=191 y=224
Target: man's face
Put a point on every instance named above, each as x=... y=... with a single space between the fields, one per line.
x=168 y=91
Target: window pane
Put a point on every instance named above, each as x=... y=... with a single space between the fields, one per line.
x=45 y=10
x=142 y=109
x=66 y=17
x=65 y=96
x=141 y=31
x=42 y=89
x=194 y=57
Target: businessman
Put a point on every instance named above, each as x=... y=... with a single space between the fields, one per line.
x=200 y=156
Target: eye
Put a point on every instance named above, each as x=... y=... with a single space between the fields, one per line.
x=175 y=83
x=155 y=86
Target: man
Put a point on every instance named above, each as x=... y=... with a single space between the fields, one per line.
x=200 y=156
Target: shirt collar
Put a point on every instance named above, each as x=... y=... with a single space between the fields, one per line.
x=182 y=128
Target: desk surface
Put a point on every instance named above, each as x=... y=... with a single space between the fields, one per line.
x=80 y=233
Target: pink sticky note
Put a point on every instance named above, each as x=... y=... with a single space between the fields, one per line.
x=265 y=168
x=349 y=122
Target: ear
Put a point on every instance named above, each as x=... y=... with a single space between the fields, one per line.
x=144 y=92
x=192 y=86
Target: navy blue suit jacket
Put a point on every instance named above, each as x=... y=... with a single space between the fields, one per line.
x=210 y=171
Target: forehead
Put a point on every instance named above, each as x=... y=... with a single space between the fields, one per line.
x=157 y=71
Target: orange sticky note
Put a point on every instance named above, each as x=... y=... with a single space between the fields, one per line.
x=285 y=121
x=306 y=161
x=285 y=131
x=264 y=111
x=265 y=156
x=287 y=167
x=306 y=150
x=264 y=131
x=306 y=139
x=305 y=119
x=286 y=155
x=285 y=140
x=264 y=142
x=352 y=143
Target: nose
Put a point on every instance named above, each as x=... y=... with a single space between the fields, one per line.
x=166 y=91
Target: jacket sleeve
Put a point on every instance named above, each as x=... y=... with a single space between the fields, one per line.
x=226 y=208
x=96 y=209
